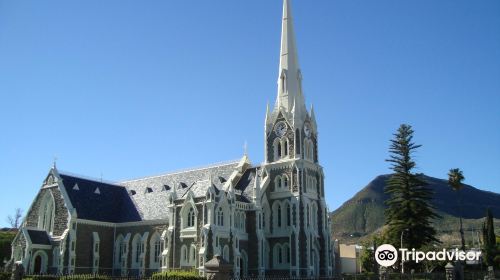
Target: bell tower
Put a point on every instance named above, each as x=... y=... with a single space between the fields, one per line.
x=293 y=228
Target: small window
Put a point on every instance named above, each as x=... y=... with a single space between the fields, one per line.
x=166 y=188
x=97 y=191
x=149 y=190
x=222 y=180
x=76 y=188
x=132 y=192
x=183 y=185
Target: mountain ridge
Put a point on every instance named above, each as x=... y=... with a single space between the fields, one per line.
x=363 y=214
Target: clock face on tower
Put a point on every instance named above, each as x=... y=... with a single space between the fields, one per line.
x=280 y=128
x=307 y=130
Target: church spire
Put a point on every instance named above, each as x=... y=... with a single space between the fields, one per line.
x=289 y=80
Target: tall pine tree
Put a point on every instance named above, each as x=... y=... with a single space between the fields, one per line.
x=489 y=239
x=408 y=213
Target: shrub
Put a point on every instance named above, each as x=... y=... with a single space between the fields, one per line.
x=177 y=275
x=4 y=276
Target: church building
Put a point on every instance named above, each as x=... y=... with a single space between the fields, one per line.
x=267 y=219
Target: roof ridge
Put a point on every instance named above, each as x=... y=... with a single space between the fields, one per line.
x=89 y=178
x=185 y=170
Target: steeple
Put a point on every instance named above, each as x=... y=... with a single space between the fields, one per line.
x=289 y=79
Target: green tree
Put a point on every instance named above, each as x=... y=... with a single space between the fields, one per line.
x=408 y=213
x=367 y=257
x=455 y=178
x=489 y=239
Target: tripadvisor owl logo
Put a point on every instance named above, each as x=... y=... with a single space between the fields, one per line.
x=386 y=255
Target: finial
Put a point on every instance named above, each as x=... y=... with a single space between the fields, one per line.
x=245 y=148
x=54 y=164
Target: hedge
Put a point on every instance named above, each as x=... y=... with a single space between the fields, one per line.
x=177 y=275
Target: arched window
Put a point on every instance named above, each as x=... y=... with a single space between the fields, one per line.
x=136 y=251
x=155 y=251
x=278 y=212
x=285 y=182
x=285 y=147
x=308 y=217
x=46 y=213
x=277 y=255
x=120 y=250
x=277 y=183
x=279 y=150
x=263 y=220
x=220 y=217
x=192 y=255
x=191 y=217
x=288 y=215
x=297 y=141
x=286 y=253
x=243 y=220
x=184 y=256
x=311 y=150
x=225 y=253
x=283 y=83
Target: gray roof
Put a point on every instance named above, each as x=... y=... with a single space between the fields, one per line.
x=110 y=204
x=150 y=196
x=39 y=237
x=244 y=188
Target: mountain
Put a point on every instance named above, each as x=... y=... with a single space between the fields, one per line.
x=363 y=214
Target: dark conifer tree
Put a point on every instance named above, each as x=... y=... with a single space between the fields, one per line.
x=489 y=239
x=408 y=213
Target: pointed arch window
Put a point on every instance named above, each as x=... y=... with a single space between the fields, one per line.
x=191 y=217
x=285 y=147
x=286 y=253
x=225 y=253
x=155 y=252
x=277 y=182
x=288 y=215
x=264 y=220
x=279 y=215
x=220 y=217
x=285 y=182
x=279 y=150
x=184 y=255
x=283 y=81
x=46 y=213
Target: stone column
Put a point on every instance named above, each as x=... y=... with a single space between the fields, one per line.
x=491 y=273
x=450 y=272
x=217 y=269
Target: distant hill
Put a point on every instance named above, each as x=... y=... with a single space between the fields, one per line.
x=363 y=214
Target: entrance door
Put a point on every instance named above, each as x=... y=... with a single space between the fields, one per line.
x=37 y=268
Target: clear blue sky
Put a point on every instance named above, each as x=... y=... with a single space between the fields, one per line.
x=136 y=88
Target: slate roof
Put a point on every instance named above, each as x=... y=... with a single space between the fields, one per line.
x=152 y=205
x=244 y=188
x=39 y=237
x=146 y=198
x=111 y=204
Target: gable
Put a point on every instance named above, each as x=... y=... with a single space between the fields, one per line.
x=98 y=201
